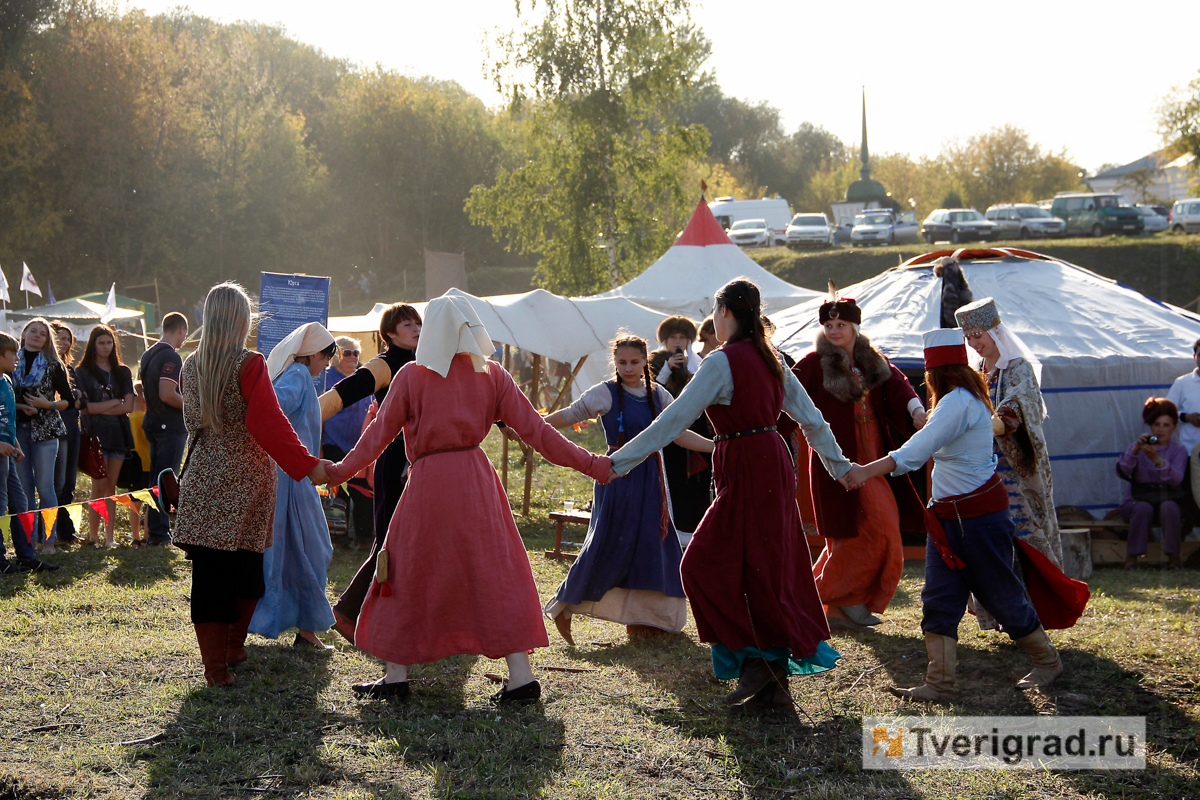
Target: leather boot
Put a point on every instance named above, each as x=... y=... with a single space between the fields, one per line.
x=236 y=648
x=772 y=697
x=213 y=638
x=939 y=675
x=756 y=673
x=1046 y=664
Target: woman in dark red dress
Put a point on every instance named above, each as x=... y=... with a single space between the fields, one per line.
x=746 y=572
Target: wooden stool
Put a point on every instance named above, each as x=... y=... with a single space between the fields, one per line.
x=559 y=517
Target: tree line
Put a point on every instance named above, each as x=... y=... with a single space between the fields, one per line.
x=173 y=148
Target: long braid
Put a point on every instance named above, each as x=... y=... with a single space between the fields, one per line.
x=626 y=340
x=649 y=390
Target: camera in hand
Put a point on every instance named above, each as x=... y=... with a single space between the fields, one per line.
x=1151 y=440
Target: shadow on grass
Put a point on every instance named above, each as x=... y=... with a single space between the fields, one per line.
x=143 y=568
x=262 y=734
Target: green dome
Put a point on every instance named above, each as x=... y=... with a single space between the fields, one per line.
x=865 y=189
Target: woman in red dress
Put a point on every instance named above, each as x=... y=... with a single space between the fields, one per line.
x=746 y=571
x=453 y=575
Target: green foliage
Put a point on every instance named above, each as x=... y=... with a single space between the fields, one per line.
x=952 y=200
x=1179 y=118
x=1004 y=166
x=597 y=195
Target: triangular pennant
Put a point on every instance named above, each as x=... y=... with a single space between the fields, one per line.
x=28 y=522
x=144 y=495
x=127 y=501
x=101 y=508
x=49 y=515
x=75 y=511
x=6 y=526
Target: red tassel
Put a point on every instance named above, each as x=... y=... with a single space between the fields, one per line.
x=385 y=590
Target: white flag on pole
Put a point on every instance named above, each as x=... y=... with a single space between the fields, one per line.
x=4 y=288
x=110 y=306
x=28 y=284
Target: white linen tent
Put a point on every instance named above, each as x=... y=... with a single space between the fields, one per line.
x=702 y=260
x=80 y=315
x=1104 y=349
x=560 y=328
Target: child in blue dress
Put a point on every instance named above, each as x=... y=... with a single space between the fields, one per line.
x=628 y=569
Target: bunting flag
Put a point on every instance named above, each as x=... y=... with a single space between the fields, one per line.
x=101 y=508
x=28 y=522
x=49 y=515
x=145 y=495
x=6 y=526
x=127 y=501
x=75 y=512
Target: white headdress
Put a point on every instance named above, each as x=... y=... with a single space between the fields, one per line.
x=450 y=327
x=307 y=340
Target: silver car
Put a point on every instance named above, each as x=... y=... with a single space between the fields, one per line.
x=751 y=233
x=1185 y=216
x=1155 y=222
x=1025 y=221
x=873 y=227
x=810 y=229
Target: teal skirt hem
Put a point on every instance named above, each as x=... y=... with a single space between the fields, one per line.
x=727 y=664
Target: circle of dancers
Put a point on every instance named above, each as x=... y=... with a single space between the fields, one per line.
x=448 y=574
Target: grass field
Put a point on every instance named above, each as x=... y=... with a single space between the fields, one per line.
x=103 y=697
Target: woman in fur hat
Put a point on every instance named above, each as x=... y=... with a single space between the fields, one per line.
x=872 y=409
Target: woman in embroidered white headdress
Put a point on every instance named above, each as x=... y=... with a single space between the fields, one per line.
x=296 y=565
x=1013 y=376
x=453 y=576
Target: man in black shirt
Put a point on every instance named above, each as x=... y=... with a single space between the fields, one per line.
x=163 y=422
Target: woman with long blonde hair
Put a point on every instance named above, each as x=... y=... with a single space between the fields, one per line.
x=236 y=435
x=42 y=390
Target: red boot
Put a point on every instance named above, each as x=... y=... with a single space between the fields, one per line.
x=236 y=649
x=213 y=638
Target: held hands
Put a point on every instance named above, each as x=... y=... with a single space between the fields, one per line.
x=317 y=474
x=854 y=479
x=612 y=476
x=919 y=419
x=511 y=435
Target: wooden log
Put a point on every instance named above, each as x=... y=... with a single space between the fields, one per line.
x=533 y=394
x=1077 y=552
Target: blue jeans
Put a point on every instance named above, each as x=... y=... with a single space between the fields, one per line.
x=166 y=452
x=11 y=491
x=37 y=474
x=987 y=546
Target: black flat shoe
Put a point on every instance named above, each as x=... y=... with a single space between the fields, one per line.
x=381 y=688
x=13 y=568
x=529 y=693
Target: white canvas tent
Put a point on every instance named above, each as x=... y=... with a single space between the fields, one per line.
x=1104 y=349
x=560 y=328
x=702 y=260
x=80 y=315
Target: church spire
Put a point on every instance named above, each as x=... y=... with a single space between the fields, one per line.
x=865 y=172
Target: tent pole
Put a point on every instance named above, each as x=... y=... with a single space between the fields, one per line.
x=504 y=439
x=533 y=393
x=566 y=386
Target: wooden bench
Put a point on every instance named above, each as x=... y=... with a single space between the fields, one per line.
x=560 y=517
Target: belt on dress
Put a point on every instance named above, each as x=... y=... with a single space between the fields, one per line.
x=446 y=450
x=720 y=437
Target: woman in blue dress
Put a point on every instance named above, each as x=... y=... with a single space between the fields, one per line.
x=628 y=569
x=295 y=566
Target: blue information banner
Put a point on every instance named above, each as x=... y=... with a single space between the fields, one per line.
x=285 y=302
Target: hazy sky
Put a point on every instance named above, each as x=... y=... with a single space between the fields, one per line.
x=1086 y=78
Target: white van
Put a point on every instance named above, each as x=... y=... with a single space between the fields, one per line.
x=775 y=211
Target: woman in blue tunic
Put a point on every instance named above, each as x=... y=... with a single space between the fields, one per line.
x=628 y=569
x=296 y=564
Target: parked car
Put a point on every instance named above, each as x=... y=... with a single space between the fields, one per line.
x=1025 y=221
x=1097 y=214
x=1185 y=216
x=873 y=226
x=1153 y=221
x=810 y=229
x=751 y=233
x=958 y=225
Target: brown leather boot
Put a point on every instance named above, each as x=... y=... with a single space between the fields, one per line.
x=236 y=648
x=939 y=675
x=756 y=674
x=213 y=638
x=1046 y=664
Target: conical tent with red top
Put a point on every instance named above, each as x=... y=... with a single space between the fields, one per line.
x=702 y=260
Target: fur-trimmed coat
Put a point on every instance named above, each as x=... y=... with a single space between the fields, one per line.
x=825 y=374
